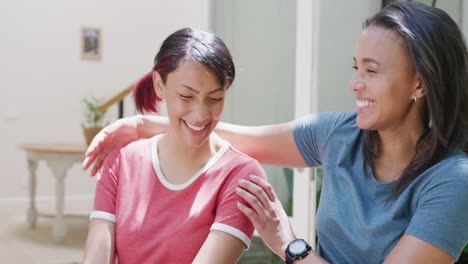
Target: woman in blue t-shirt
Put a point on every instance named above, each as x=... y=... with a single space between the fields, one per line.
x=395 y=170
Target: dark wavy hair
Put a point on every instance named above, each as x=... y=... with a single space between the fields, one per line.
x=185 y=44
x=438 y=52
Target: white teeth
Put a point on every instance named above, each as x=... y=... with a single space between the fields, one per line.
x=364 y=103
x=196 y=128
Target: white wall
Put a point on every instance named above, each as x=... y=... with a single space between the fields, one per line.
x=43 y=79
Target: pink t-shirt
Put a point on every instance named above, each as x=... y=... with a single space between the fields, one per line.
x=159 y=222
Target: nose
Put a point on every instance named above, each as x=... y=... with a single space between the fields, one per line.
x=202 y=112
x=356 y=83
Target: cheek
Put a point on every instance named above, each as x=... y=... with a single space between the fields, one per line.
x=179 y=106
x=378 y=82
x=217 y=111
x=381 y=89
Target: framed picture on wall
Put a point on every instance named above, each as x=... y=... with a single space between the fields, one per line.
x=90 y=43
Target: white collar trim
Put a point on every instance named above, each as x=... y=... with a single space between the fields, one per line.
x=175 y=187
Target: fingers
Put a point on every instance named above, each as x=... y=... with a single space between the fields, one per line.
x=85 y=164
x=255 y=190
x=267 y=188
x=96 y=145
x=253 y=217
x=252 y=200
x=94 y=152
x=89 y=159
x=92 y=147
x=98 y=163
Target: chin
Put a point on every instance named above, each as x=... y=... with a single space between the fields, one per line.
x=197 y=142
x=363 y=124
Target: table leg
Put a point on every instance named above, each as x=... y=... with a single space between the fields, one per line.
x=32 y=210
x=59 y=169
x=60 y=229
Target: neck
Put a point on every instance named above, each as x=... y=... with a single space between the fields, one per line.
x=398 y=147
x=179 y=162
x=174 y=147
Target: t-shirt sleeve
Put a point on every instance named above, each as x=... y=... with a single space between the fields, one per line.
x=312 y=132
x=228 y=217
x=106 y=188
x=441 y=216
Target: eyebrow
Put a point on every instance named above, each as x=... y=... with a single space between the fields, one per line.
x=197 y=92
x=369 y=60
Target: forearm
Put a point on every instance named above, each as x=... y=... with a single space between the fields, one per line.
x=220 y=247
x=151 y=125
x=270 y=144
x=100 y=244
x=241 y=137
x=312 y=258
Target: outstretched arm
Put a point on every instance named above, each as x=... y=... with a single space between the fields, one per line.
x=272 y=144
x=100 y=244
x=411 y=249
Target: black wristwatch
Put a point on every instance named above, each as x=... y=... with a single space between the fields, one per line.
x=297 y=249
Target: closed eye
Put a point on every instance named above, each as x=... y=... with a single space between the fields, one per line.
x=185 y=97
x=216 y=99
x=368 y=70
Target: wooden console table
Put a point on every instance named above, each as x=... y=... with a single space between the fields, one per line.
x=59 y=157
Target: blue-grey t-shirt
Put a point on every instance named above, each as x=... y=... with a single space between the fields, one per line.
x=354 y=223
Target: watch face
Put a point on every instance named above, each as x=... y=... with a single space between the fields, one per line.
x=297 y=247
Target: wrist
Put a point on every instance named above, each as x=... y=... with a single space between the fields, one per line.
x=285 y=246
x=139 y=124
x=296 y=250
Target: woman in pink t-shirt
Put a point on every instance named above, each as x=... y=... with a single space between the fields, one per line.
x=172 y=198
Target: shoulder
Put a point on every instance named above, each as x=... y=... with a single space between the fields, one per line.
x=456 y=167
x=131 y=151
x=138 y=145
x=440 y=198
x=242 y=164
x=322 y=125
x=453 y=167
x=449 y=176
x=319 y=137
x=138 y=148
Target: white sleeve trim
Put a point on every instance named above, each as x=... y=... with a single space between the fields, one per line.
x=102 y=215
x=232 y=231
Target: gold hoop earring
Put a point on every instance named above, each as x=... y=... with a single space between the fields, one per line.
x=415 y=98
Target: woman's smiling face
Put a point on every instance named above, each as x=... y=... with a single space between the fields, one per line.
x=384 y=81
x=194 y=99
